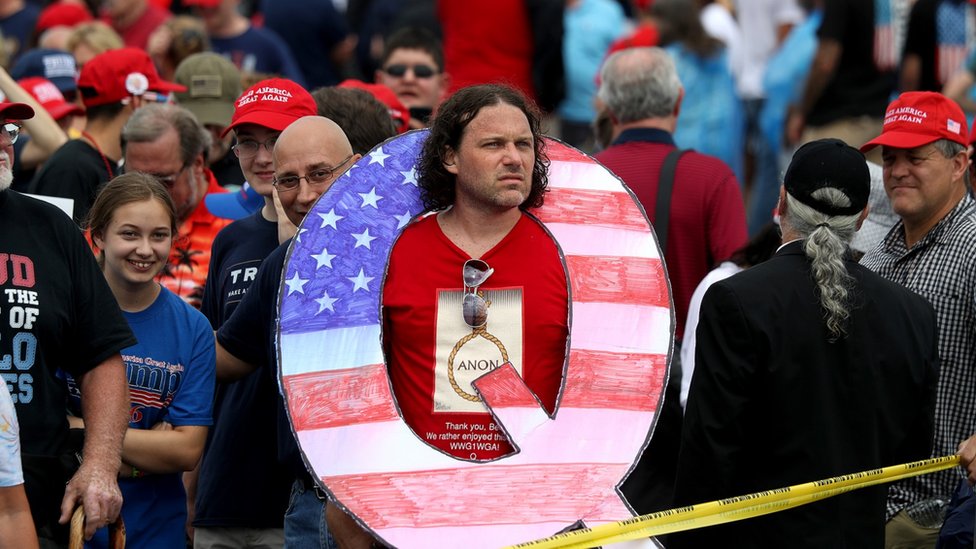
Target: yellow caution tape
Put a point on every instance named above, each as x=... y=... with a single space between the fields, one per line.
x=736 y=508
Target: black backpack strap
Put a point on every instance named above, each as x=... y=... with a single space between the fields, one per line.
x=662 y=208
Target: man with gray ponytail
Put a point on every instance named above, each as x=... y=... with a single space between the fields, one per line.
x=808 y=366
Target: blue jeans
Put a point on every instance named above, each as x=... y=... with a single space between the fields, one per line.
x=305 y=526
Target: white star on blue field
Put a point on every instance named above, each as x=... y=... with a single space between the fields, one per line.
x=335 y=271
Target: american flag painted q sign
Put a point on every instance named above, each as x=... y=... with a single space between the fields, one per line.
x=567 y=467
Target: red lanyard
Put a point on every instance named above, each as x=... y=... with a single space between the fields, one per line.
x=91 y=140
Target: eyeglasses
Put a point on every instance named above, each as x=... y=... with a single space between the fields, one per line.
x=169 y=181
x=419 y=70
x=11 y=131
x=166 y=180
x=474 y=308
x=249 y=147
x=315 y=178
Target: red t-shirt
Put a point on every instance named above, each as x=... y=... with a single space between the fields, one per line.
x=644 y=36
x=428 y=344
x=137 y=34
x=487 y=42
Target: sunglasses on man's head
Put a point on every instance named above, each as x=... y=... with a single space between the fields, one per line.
x=419 y=70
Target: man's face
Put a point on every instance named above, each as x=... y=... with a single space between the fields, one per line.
x=258 y=169
x=215 y=17
x=218 y=145
x=413 y=90
x=922 y=184
x=161 y=159
x=303 y=154
x=494 y=161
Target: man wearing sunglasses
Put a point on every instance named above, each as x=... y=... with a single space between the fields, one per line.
x=413 y=67
x=167 y=142
x=112 y=86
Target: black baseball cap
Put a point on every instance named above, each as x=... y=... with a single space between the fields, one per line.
x=829 y=163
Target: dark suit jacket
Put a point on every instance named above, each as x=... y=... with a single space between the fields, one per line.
x=774 y=403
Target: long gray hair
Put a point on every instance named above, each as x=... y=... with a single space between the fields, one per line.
x=826 y=241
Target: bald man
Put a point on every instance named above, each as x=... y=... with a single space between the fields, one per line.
x=309 y=155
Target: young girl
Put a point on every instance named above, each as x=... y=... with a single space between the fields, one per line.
x=170 y=371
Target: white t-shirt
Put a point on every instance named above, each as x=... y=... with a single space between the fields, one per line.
x=759 y=20
x=11 y=471
x=723 y=271
x=720 y=25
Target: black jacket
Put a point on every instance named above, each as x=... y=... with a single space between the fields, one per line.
x=774 y=403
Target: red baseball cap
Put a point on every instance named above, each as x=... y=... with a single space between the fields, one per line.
x=399 y=113
x=15 y=111
x=274 y=103
x=67 y=14
x=915 y=119
x=50 y=97
x=113 y=75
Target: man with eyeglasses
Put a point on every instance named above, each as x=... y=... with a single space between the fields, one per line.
x=167 y=142
x=413 y=67
x=59 y=314
x=477 y=284
x=113 y=85
x=224 y=509
x=309 y=156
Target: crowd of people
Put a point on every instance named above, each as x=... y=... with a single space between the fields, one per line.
x=806 y=166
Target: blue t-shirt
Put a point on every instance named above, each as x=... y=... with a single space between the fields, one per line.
x=245 y=432
x=17 y=29
x=590 y=28
x=171 y=374
x=259 y=51
x=711 y=110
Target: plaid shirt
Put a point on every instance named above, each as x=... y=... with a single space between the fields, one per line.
x=941 y=268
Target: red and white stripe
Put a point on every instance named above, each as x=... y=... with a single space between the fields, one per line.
x=950 y=59
x=144 y=398
x=566 y=467
x=886 y=54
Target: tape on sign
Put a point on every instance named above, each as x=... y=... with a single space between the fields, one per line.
x=736 y=508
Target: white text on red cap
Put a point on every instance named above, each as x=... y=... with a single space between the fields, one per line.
x=905 y=114
x=265 y=93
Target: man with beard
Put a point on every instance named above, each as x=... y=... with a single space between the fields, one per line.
x=59 y=315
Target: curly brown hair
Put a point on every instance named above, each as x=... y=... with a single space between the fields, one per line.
x=437 y=185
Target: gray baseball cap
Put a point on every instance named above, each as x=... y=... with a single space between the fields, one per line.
x=212 y=83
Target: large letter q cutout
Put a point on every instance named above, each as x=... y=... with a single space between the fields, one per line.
x=567 y=468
